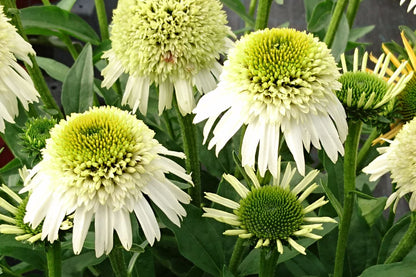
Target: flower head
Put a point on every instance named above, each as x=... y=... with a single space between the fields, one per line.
x=103 y=163
x=276 y=80
x=15 y=83
x=271 y=215
x=174 y=44
x=399 y=158
x=364 y=93
x=34 y=135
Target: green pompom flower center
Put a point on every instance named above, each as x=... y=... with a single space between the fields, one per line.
x=271 y=212
x=364 y=88
x=283 y=67
x=407 y=100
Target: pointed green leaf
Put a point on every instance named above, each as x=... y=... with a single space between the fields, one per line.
x=238 y=7
x=371 y=209
x=78 y=86
x=41 y=20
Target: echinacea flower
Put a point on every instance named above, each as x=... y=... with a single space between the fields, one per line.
x=399 y=158
x=364 y=92
x=105 y=164
x=270 y=215
x=174 y=44
x=276 y=80
x=15 y=82
x=412 y=4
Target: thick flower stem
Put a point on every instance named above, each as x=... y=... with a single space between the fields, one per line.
x=262 y=17
x=236 y=256
x=268 y=261
x=333 y=25
x=34 y=70
x=190 y=148
x=406 y=243
x=352 y=11
x=117 y=260
x=53 y=258
x=350 y=164
x=102 y=19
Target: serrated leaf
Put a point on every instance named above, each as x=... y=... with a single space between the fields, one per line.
x=39 y=19
x=78 y=86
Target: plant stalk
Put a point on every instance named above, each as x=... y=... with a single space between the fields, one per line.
x=352 y=11
x=365 y=148
x=263 y=11
x=190 y=147
x=333 y=24
x=268 y=262
x=102 y=19
x=406 y=243
x=236 y=256
x=53 y=258
x=350 y=165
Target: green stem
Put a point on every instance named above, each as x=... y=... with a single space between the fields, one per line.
x=53 y=258
x=268 y=262
x=406 y=243
x=46 y=2
x=350 y=163
x=69 y=45
x=263 y=11
x=352 y=11
x=102 y=19
x=190 y=147
x=365 y=148
x=333 y=25
x=236 y=256
x=34 y=70
x=116 y=257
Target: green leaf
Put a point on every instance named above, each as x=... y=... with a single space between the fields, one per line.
x=320 y=17
x=279 y=2
x=341 y=38
x=405 y=268
x=309 y=7
x=10 y=247
x=66 y=4
x=78 y=86
x=55 y=69
x=371 y=209
x=39 y=19
x=198 y=240
x=410 y=35
x=238 y=7
x=392 y=238
x=75 y=265
x=356 y=33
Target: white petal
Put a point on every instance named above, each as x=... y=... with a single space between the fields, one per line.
x=82 y=221
x=122 y=225
x=104 y=228
x=147 y=220
x=184 y=96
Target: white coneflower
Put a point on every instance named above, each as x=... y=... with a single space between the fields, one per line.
x=15 y=82
x=105 y=164
x=276 y=81
x=399 y=158
x=365 y=92
x=174 y=44
x=271 y=215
